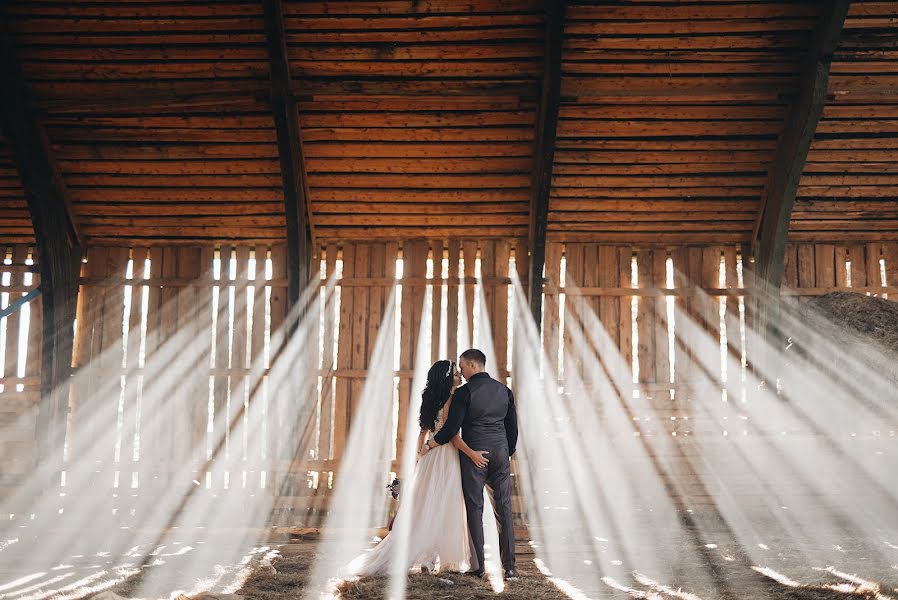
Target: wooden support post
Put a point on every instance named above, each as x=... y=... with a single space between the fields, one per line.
x=58 y=246
x=300 y=234
x=772 y=226
x=544 y=157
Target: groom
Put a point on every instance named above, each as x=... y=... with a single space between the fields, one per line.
x=484 y=410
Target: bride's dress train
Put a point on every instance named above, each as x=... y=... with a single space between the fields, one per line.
x=437 y=529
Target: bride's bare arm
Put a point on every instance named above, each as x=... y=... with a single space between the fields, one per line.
x=421 y=437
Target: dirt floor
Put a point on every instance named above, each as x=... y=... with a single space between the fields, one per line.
x=709 y=565
x=294 y=564
x=295 y=561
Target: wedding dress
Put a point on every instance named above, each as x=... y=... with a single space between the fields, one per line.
x=437 y=530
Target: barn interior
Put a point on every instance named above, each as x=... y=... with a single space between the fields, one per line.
x=235 y=234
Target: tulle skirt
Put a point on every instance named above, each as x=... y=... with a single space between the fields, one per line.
x=436 y=531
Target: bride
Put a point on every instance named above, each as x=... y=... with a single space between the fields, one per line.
x=438 y=539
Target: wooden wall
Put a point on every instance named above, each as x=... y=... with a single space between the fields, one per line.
x=174 y=317
x=172 y=306
x=165 y=339
x=813 y=269
x=633 y=292
x=628 y=289
x=20 y=344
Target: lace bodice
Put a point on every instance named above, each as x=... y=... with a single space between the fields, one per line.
x=441 y=420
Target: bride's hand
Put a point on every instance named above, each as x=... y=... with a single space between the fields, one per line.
x=479 y=458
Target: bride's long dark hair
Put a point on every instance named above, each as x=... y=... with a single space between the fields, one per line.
x=436 y=392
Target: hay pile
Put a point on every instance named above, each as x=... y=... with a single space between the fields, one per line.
x=531 y=586
x=292 y=571
x=869 y=317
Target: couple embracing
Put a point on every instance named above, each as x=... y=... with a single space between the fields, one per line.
x=446 y=525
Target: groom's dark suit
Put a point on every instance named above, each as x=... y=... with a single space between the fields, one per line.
x=484 y=410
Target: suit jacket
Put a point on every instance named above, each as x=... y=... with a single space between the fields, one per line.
x=484 y=410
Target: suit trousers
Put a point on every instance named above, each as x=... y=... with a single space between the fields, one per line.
x=497 y=476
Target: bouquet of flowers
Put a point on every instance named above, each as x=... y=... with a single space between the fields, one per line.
x=394 y=493
x=394 y=488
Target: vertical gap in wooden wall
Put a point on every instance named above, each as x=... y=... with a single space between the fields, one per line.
x=344 y=355
x=499 y=315
x=558 y=344
x=133 y=342
x=660 y=329
x=256 y=311
x=328 y=346
x=671 y=325
x=442 y=273
x=510 y=300
x=232 y=401
x=394 y=269
x=142 y=272
x=20 y=258
x=722 y=324
x=519 y=264
x=5 y=299
x=572 y=275
x=890 y=264
x=35 y=318
x=736 y=314
x=631 y=276
x=551 y=332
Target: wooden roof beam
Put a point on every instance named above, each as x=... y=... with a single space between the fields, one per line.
x=300 y=234
x=772 y=225
x=58 y=245
x=544 y=156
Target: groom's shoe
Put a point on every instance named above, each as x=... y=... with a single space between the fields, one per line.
x=478 y=573
x=511 y=575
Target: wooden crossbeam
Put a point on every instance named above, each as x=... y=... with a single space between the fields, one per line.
x=300 y=234
x=772 y=225
x=58 y=245
x=544 y=156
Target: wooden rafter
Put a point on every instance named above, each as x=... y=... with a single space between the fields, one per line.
x=772 y=225
x=544 y=156
x=58 y=245
x=300 y=234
